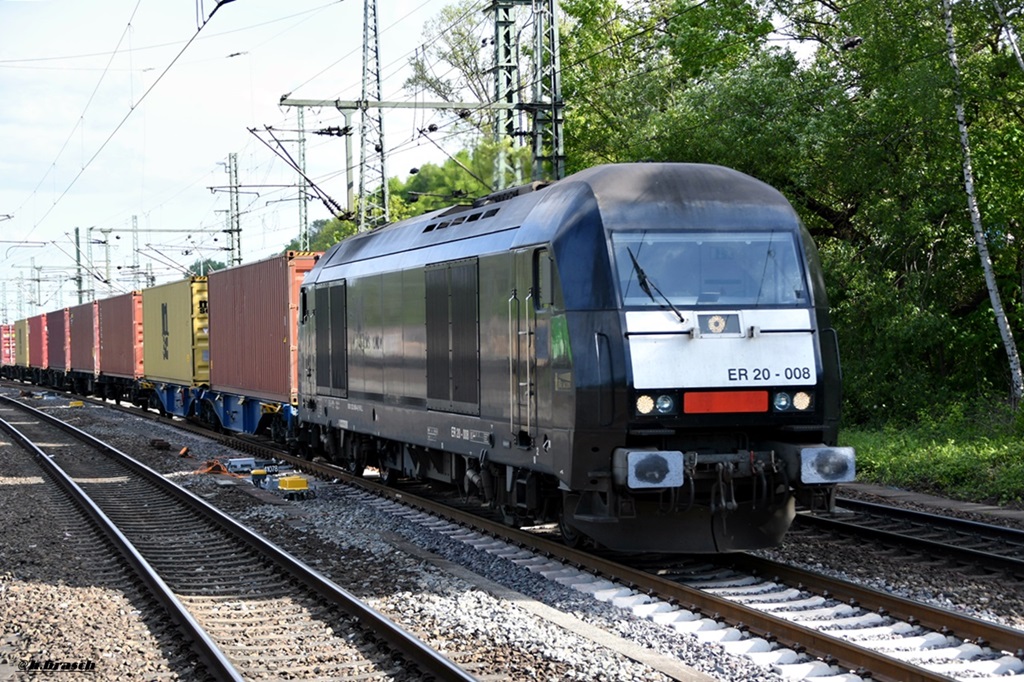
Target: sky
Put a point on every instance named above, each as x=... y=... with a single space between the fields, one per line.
x=111 y=118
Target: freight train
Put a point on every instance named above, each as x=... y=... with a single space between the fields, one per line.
x=641 y=353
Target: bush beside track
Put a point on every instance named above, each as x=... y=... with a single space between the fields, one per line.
x=976 y=456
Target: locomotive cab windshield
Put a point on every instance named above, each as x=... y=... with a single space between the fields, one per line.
x=735 y=268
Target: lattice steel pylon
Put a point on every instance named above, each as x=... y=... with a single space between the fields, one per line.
x=506 y=89
x=303 y=185
x=373 y=206
x=235 y=215
x=547 y=108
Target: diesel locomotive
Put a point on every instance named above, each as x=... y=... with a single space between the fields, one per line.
x=640 y=352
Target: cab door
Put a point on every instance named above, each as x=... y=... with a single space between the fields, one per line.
x=528 y=320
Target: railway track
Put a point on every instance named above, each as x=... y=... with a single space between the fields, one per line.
x=250 y=610
x=798 y=622
x=986 y=547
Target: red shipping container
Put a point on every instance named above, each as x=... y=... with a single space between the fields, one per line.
x=82 y=323
x=253 y=312
x=7 y=344
x=119 y=340
x=37 y=346
x=58 y=348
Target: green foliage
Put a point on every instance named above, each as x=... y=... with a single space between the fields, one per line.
x=451 y=66
x=204 y=266
x=323 y=234
x=858 y=133
x=966 y=454
x=469 y=174
x=464 y=177
x=860 y=136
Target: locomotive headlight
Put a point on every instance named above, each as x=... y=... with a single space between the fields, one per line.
x=644 y=404
x=781 y=402
x=665 y=404
x=802 y=400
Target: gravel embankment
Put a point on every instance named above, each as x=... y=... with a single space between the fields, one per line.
x=64 y=599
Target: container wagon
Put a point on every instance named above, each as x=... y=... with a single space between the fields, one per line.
x=175 y=346
x=253 y=332
x=119 y=347
x=82 y=324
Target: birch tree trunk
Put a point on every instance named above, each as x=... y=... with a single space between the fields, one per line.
x=1016 y=378
x=1009 y=33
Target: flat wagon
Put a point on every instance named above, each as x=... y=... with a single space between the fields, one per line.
x=253 y=327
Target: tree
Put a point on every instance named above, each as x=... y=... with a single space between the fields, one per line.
x=859 y=136
x=1017 y=380
x=205 y=266
x=323 y=233
x=454 y=65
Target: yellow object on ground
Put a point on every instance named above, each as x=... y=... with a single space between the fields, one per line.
x=295 y=488
x=292 y=484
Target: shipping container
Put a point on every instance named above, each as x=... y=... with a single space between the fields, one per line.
x=119 y=336
x=254 y=326
x=21 y=343
x=37 y=347
x=7 y=345
x=58 y=348
x=82 y=337
x=175 y=334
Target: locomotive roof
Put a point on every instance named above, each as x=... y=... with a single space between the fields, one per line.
x=620 y=196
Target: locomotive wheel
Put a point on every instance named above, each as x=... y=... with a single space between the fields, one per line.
x=355 y=465
x=388 y=476
x=509 y=516
x=570 y=536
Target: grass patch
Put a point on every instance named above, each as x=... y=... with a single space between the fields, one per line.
x=956 y=457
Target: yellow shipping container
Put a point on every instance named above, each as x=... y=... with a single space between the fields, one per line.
x=175 y=333
x=21 y=343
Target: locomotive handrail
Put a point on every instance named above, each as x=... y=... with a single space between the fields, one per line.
x=680 y=332
x=513 y=337
x=689 y=332
x=530 y=332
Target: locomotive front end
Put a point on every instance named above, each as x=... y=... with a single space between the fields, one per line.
x=732 y=375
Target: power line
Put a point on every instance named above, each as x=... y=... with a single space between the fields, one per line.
x=124 y=120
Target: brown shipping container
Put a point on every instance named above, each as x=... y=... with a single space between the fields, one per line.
x=37 y=341
x=57 y=346
x=7 y=341
x=82 y=337
x=119 y=337
x=254 y=327
x=21 y=343
x=175 y=333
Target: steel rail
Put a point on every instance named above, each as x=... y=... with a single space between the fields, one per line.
x=1004 y=562
x=984 y=632
x=843 y=653
x=216 y=661
x=429 y=660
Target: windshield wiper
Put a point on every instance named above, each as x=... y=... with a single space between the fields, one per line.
x=646 y=284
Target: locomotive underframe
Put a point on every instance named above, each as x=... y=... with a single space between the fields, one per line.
x=738 y=492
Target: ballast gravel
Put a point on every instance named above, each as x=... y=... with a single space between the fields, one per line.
x=399 y=567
